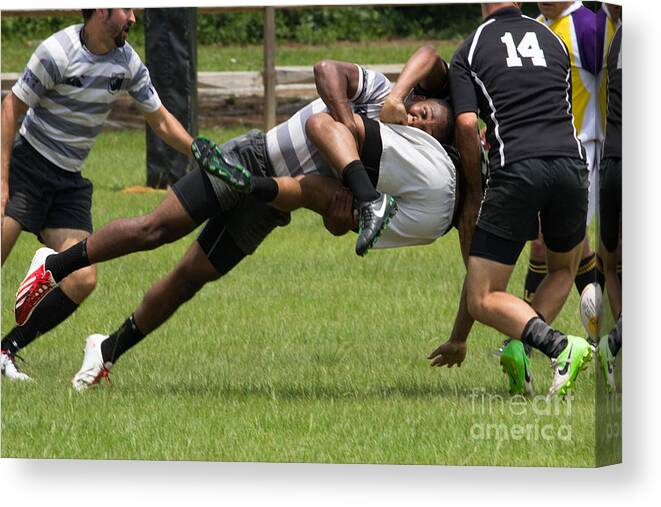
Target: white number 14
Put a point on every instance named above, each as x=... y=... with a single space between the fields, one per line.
x=527 y=48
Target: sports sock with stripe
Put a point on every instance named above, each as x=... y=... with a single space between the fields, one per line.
x=537 y=271
x=588 y=273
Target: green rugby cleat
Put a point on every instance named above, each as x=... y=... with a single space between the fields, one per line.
x=211 y=158
x=566 y=367
x=607 y=363
x=515 y=364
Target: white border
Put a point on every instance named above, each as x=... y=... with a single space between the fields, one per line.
x=70 y=483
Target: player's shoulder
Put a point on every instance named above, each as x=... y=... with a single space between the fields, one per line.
x=65 y=41
x=60 y=47
x=128 y=57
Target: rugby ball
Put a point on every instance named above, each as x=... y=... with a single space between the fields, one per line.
x=591 y=309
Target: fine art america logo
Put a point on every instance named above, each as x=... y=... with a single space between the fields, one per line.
x=521 y=418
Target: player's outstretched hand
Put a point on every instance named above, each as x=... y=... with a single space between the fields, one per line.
x=394 y=111
x=448 y=354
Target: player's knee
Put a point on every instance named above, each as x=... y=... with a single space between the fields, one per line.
x=475 y=304
x=154 y=231
x=190 y=279
x=84 y=281
x=317 y=125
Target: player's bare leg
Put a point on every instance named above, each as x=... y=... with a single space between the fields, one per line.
x=60 y=303
x=11 y=230
x=311 y=191
x=335 y=141
x=167 y=223
x=341 y=149
x=81 y=283
x=488 y=301
x=490 y=304
x=165 y=297
x=160 y=302
x=613 y=284
x=554 y=289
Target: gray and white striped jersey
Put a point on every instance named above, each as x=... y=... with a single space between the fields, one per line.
x=291 y=152
x=70 y=92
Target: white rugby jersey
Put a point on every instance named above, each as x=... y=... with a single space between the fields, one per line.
x=70 y=92
x=290 y=151
x=417 y=171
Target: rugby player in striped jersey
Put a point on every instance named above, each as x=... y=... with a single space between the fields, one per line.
x=66 y=92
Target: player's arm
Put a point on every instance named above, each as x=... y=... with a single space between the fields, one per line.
x=168 y=128
x=424 y=68
x=453 y=351
x=337 y=83
x=467 y=141
x=12 y=109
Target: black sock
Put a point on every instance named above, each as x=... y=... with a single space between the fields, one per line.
x=601 y=278
x=121 y=340
x=615 y=338
x=356 y=178
x=55 y=308
x=536 y=273
x=538 y=334
x=587 y=273
x=265 y=189
x=64 y=263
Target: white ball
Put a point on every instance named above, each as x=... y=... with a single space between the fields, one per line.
x=591 y=308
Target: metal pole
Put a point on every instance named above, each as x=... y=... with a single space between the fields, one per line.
x=269 y=67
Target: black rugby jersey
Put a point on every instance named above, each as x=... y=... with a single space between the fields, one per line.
x=613 y=141
x=515 y=73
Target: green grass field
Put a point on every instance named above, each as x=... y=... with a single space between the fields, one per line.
x=304 y=353
x=15 y=54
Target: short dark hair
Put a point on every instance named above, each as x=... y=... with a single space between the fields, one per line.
x=87 y=14
x=446 y=125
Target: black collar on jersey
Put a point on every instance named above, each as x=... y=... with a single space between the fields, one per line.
x=81 y=35
x=505 y=11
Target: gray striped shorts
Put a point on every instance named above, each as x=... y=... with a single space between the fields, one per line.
x=248 y=220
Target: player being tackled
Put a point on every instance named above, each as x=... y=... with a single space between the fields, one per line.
x=373 y=216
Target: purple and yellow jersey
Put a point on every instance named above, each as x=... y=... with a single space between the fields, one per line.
x=606 y=29
x=576 y=27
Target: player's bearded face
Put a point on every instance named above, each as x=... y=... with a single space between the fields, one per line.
x=119 y=24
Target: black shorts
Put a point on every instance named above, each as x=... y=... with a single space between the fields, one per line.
x=44 y=196
x=552 y=191
x=610 y=202
x=245 y=218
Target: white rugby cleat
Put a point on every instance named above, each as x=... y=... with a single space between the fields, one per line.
x=93 y=368
x=36 y=285
x=8 y=367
